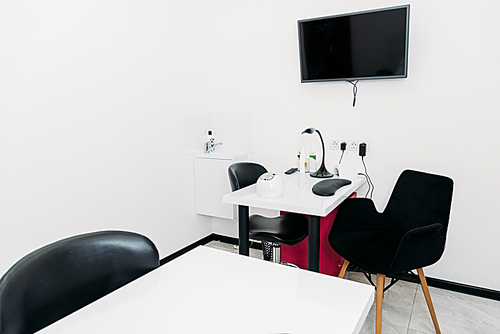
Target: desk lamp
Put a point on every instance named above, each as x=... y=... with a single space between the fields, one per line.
x=322 y=172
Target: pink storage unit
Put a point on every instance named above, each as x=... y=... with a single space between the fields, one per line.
x=329 y=261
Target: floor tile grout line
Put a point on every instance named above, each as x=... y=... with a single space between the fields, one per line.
x=412 y=307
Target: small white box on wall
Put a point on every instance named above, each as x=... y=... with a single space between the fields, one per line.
x=212 y=182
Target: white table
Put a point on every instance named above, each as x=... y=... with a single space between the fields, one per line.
x=212 y=291
x=298 y=198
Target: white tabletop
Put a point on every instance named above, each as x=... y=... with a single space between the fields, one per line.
x=298 y=196
x=201 y=292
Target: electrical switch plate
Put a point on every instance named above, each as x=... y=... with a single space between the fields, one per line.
x=352 y=144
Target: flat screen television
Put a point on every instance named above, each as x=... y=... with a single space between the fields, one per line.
x=364 y=45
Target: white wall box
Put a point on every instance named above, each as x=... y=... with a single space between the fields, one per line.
x=212 y=182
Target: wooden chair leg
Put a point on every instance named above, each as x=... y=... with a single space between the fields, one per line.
x=428 y=299
x=380 y=296
x=343 y=269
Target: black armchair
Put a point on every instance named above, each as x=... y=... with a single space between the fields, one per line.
x=60 y=278
x=409 y=234
x=288 y=229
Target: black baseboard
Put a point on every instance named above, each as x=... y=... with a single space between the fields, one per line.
x=202 y=241
x=234 y=241
x=434 y=282
x=449 y=285
x=462 y=288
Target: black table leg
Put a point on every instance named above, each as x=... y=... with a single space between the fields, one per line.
x=313 y=244
x=243 y=229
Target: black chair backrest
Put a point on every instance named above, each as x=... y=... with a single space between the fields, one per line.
x=419 y=199
x=60 y=278
x=243 y=174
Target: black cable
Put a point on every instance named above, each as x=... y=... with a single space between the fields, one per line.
x=343 y=147
x=354 y=91
x=369 y=185
x=368 y=179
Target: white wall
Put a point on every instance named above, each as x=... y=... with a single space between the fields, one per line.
x=92 y=95
x=442 y=119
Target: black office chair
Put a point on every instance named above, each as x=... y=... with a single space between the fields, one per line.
x=60 y=278
x=409 y=234
x=288 y=229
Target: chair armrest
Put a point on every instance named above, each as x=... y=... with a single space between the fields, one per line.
x=419 y=247
x=357 y=214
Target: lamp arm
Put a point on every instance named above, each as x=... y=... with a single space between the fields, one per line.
x=322 y=172
x=323 y=147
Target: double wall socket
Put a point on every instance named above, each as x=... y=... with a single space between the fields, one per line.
x=352 y=144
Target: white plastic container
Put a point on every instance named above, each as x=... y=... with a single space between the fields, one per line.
x=312 y=161
x=270 y=185
x=345 y=172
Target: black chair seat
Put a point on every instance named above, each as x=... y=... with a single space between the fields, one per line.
x=376 y=254
x=288 y=229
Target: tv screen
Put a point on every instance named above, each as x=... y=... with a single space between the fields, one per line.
x=365 y=45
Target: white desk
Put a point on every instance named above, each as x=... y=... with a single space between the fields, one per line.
x=298 y=198
x=212 y=291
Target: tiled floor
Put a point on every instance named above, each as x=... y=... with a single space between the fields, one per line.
x=405 y=310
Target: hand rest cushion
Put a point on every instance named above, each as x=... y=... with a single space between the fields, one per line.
x=329 y=187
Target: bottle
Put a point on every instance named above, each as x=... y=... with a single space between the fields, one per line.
x=209 y=147
x=312 y=161
x=303 y=162
x=210 y=137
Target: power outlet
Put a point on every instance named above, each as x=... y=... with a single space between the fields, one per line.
x=352 y=144
x=334 y=144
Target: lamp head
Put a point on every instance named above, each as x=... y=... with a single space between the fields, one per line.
x=309 y=131
x=322 y=172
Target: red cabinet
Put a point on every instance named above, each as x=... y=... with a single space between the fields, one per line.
x=329 y=261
